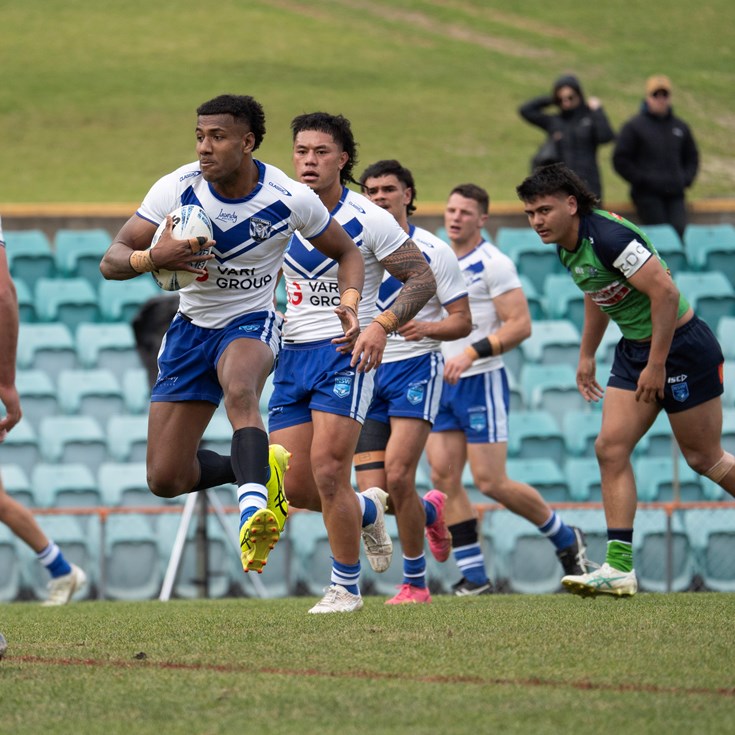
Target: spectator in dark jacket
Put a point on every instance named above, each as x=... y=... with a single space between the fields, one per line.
x=579 y=127
x=656 y=153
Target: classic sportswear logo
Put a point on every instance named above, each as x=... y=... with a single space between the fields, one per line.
x=357 y=207
x=278 y=187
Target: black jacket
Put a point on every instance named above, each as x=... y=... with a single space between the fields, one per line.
x=656 y=155
x=578 y=132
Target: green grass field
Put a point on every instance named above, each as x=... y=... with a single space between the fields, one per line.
x=98 y=97
x=504 y=663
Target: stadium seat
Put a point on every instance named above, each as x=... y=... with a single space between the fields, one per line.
x=659 y=440
x=120 y=300
x=127 y=438
x=535 y=434
x=563 y=299
x=132 y=560
x=311 y=550
x=553 y=341
x=536 y=304
x=583 y=479
x=79 y=252
x=651 y=552
x=137 y=390
x=124 y=484
x=710 y=293
x=712 y=533
x=265 y=397
x=533 y=258
x=68 y=485
x=510 y=239
x=606 y=350
x=17 y=484
x=726 y=336
x=669 y=246
x=514 y=386
x=281 y=295
x=67 y=300
x=47 y=347
x=711 y=248
x=711 y=490
x=551 y=388
x=107 y=346
x=657 y=479
x=30 y=255
x=26 y=304
x=11 y=566
x=37 y=395
x=580 y=429
x=728 y=397
x=593 y=524
x=218 y=553
x=65 y=439
x=218 y=434
x=526 y=560
x=78 y=548
x=96 y=393
x=542 y=473
x=21 y=447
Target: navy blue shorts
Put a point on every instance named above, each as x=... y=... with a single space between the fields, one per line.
x=693 y=368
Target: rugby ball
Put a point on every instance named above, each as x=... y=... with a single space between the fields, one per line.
x=189 y=220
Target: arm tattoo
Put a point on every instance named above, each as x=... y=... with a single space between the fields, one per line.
x=409 y=266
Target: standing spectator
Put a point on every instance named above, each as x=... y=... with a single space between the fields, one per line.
x=472 y=421
x=66 y=578
x=574 y=133
x=656 y=154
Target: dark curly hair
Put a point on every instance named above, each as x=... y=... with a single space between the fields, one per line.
x=243 y=108
x=557 y=179
x=391 y=167
x=341 y=131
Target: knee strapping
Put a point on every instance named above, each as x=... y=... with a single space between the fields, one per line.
x=717 y=472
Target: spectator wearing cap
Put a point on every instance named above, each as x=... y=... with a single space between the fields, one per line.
x=656 y=154
x=574 y=132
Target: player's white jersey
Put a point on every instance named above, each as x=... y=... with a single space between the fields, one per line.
x=450 y=286
x=311 y=278
x=488 y=273
x=251 y=236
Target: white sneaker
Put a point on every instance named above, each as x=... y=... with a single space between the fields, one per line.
x=603 y=581
x=337 y=599
x=61 y=589
x=378 y=545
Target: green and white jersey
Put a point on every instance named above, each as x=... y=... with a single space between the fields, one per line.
x=610 y=250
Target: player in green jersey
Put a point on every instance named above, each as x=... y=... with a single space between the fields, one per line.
x=667 y=358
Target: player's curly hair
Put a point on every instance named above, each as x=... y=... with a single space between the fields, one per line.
x=243 y=108
x=339 y=128
x=557 y=179
x=391 y=167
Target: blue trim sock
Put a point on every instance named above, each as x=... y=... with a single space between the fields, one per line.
x=467 y=551
x=414 y=571
x=430 y=510
x=368 y=508
x=557 y=532
x=346 y=575
x=54 y=561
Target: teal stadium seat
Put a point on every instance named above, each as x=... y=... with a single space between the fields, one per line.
x=30 y=255
x=79 y=548
x=218 y=434
x=47 y=347
x=124 y=484
x=137 y=390
x=726 y=336
x=26 y=304
x=669 y=246
x=563 y=299
x=710 y=293
x=120 y=300
x=536 y=303
x=67 y=439
x=728 y=397
x=38 y=396
x=127 y=438
x=535 y=434
x=11 y=566
x=71 y=301
x=79 y=252
x=580 y=430
x=312 y=552
x=657 y=479
x=606 y=350
x=21 y=447
x=107 y=346
x=533 y=258
x=542 y=473
x=583 y=480
x=96 y=393
x=659 y=440
x=651 y=552
x=553 y=341
x=133 y=566
x=712 y=533
x=69 y=485
x=551 y=388
x=711 y=248
x=526 y=561
x=711 y=490
x=17 y=484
